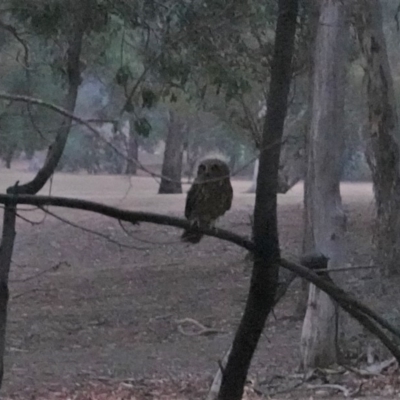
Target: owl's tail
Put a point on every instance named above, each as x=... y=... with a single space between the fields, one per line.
x=191 y=236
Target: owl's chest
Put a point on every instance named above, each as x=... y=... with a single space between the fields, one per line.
x=211 y=199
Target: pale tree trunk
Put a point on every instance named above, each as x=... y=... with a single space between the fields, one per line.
x=253 y=186
x=382 y=135
x=173 y=156
x=308 y=236
x=326 y=144
x=132 y=149
x=292 y=161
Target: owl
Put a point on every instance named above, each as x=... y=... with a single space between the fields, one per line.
x=209 y=198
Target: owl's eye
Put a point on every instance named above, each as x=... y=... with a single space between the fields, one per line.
x=201 y=169
x=215 y=167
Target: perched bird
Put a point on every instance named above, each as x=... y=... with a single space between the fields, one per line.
x=209 y=198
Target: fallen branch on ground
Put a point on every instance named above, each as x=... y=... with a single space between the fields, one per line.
x=374 y=369
x=346 y=392
x=203 y=329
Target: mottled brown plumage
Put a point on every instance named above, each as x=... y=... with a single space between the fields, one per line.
x=209 y=197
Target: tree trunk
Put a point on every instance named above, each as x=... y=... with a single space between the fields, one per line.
x=326 y=145
x=36 y=184
x=308 y=236
x=133 y=150
x=383 y=151
x=292 y=161
x=6 y=251
x=9 y=156
x=232 y=162
x=264 y=280
x=173 y=155
x=253 y=186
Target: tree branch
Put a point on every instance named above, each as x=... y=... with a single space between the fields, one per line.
x=355 y=308
x=123 y=215
x=11 y=29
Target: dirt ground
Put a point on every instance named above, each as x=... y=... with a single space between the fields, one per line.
x=84 y=308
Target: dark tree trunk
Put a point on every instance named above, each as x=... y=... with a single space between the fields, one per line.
x=133 y=150
x=173 y=156
x=264 y=278
x=36 y=184
x=6 y=251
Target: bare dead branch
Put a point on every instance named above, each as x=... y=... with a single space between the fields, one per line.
x=368 y=318
x=203 y=330
x=374 y=369
x=346 y=392
x=123 y=215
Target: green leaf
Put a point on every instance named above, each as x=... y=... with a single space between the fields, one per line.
x=149 y=98
x=123 y=75
x=143 y=127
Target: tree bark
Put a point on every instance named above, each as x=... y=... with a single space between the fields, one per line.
x=253 y=186
x=264 y=278
x=308 y=236
x=9 y=156
x=173 y=156
x=133 y=150
x=53 y=157
x=292 y=160
x=326 y=145
x=382 y=135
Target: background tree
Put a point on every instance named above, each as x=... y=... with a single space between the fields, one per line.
x=383 y=152
x=173 y=155
x=324 y=169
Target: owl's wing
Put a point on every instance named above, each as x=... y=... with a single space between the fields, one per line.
x=191 y=199
x=229 y=196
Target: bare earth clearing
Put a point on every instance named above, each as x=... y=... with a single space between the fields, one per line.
x=110 y=312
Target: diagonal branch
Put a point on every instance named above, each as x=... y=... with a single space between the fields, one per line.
x=359 y=311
